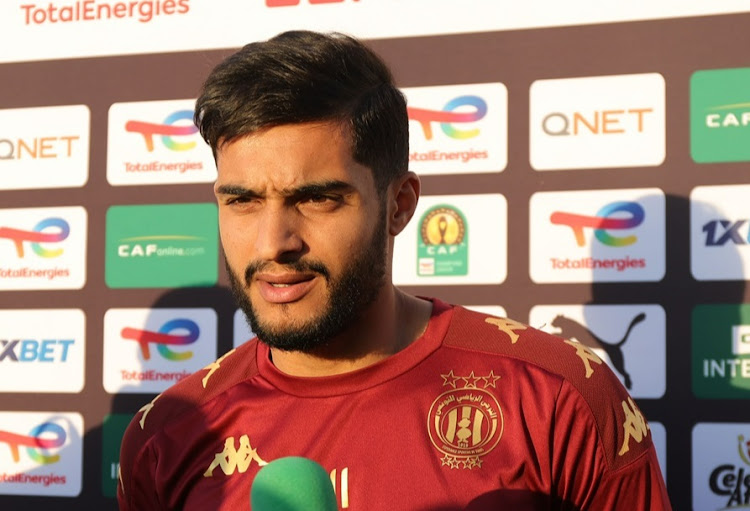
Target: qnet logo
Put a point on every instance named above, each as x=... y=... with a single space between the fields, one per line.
x=156 y=142
x=597 y=122
x=42 y=350
x=44 y=147
x=458 y=128
x=43 y=453
x=184 y=341
x=43 y=248
x=597 y=236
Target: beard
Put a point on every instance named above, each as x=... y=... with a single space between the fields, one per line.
x=348 y=296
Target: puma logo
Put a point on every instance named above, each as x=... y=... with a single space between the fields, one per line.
x=571 y=329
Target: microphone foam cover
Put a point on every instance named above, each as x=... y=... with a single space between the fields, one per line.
x=292 y=484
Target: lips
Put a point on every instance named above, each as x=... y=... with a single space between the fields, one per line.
x=285 y=288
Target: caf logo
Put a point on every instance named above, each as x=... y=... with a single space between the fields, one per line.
x=442 y=246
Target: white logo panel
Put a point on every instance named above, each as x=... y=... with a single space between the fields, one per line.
x=630 y=338
x=482 y=255
x=42 y=350
x=659 y=437
x=186 y=25
x=720 y=232
x=44 y=147
x=597 y=236
x=43 y=248
x=721 y=463
x=149 y=350
x=458 y=128
x=156 y=142
x=41 y=453
x=601 y=121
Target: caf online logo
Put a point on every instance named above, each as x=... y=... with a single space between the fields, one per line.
x=37 y=236
x=448 y=116
x=164 y=337
x=167 y=130
x=40 y=439
x=442 y=246
x=604 y=221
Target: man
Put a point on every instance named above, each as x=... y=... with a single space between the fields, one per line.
x=410 y=403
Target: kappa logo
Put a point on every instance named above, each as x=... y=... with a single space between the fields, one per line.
x=167 y=130
x=571 y=329
x=231 y=458
x=164 y=338
x=37 y=236
x=586 y=355
x=466 y=422
x=38 y=442
x=508 y=327
x=448 y=116
x=609 y=217
x=635 y=425
x=213 y=367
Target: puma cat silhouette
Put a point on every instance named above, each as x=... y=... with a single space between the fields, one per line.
x=571 y=329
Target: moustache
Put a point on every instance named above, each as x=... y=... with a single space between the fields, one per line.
x=301 y=266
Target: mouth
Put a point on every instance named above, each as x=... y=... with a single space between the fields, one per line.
x=285 y=288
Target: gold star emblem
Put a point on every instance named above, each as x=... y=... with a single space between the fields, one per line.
x=452 y=377
x=471 y=380
x=489 y=381
x=450 y=461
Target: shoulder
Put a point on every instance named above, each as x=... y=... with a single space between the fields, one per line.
x=198 y=389
x=585 y=380
x=182 y=400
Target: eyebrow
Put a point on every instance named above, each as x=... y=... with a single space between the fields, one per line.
x=305 y=190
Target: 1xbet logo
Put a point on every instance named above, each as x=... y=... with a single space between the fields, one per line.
x=37 y=236
x=448 y=116
x=164 y=337
x=30 y=350
x=614 y=216
x=40 y=439
x=167 y=130
x=721 y=232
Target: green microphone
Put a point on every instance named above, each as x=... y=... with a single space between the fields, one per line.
x=292 y=484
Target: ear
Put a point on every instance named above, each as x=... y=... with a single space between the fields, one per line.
x=403 y=195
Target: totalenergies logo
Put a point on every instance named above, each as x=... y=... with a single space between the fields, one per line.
x=608 y=218
x=164 y=337
x=37 y=236
x=40 y=439
x=473 y=108
x=167 y=130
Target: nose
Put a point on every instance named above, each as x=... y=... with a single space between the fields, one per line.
x=277 y=237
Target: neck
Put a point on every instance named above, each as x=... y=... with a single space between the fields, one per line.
x=390 y=324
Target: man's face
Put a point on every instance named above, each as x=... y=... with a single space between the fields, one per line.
x=303 y=232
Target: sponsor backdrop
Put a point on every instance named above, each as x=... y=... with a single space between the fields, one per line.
x=584 y=168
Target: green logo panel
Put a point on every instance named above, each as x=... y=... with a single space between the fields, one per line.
x=113 y=429
x=721 y=351
x=720 y=115
x=162 y=245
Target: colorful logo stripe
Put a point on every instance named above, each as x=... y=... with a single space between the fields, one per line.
x=447 y=117
x=36 y=236
x=36 y=442
x=167 y=130
x=603 y=222
x=163 y=338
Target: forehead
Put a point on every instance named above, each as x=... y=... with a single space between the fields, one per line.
x=290 y=155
